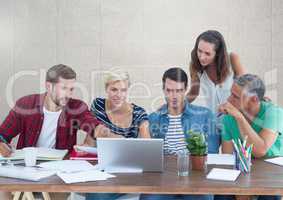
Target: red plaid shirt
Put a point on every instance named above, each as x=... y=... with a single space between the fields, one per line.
x=26 y=119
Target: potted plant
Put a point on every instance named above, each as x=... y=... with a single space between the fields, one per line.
x=197 y=146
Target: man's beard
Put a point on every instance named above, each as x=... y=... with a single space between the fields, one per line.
x=57 y=101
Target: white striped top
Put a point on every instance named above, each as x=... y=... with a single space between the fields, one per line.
x=174 y=138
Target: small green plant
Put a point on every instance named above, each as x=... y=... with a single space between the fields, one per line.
x=196 y=143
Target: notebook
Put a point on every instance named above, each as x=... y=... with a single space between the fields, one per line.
x=223 y=174
x=42 y=154
x=82 y=156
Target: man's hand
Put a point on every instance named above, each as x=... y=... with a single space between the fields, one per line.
x=228 y=108
x=5 y=149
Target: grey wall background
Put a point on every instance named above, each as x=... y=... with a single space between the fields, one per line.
x=144 y=37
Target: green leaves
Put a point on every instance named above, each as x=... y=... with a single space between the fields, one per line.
x=196 y=143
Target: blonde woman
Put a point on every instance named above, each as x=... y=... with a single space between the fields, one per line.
x=123 y=119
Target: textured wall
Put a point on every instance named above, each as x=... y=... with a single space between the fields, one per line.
x=144 y=37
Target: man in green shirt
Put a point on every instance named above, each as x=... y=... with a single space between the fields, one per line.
x=249 y=116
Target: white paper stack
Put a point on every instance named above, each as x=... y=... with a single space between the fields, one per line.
x=84 y=176
x=27 y=173
x=223 y=174
x=276 y=161
x=74 y=171
x=220 y=159
x=68 y=166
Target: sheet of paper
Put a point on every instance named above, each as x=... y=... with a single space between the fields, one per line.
x=67 y=165
x=42 y=154
x=276 y=161
x=223 y=174
x=85 y=176
x=220 y=159
x=27 y=173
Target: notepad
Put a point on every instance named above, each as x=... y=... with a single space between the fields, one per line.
x=276 y=161
x=85 y=176
x=26 y=173
x=223 y=174
x=220 y=159
x=42 y=154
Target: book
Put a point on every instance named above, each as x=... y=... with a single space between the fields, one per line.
x=74 y=155
x=42 y=154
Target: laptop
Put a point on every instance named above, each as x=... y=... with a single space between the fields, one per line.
x=130 y=154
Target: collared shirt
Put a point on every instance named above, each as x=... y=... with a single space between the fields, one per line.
x=26 y=119
x=194 y=118
x=269 y=117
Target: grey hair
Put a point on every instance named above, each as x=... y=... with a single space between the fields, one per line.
x=252 y=85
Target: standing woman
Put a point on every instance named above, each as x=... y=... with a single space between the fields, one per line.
x=212 y=70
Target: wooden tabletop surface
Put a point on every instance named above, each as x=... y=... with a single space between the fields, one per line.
x=264 y=179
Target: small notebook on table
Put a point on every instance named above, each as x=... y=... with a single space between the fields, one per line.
x=74 y=155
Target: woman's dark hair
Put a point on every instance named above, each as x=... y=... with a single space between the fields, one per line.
x=221 y=56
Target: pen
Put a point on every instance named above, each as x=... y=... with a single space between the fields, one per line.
x=240 y=157
x=245 y=141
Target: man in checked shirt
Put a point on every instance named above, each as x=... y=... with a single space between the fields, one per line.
x=51 y=119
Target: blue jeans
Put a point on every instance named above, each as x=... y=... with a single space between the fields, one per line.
x=175 y=197
x=103 y=196
x=232 y=197
x=268 y=197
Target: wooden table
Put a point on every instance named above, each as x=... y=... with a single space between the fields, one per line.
x=264 y=179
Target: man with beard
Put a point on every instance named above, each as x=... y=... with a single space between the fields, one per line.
x=51 y=119
x=250 y=116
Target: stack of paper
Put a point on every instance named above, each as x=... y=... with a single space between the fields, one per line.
x=27 y=173
x=220 y=159
x=68 y=166
x=276 y=161
x=42 y=154
x=84 y=176
x=223 y=174
x=74 y=171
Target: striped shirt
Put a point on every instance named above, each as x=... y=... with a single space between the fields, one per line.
x=174 y=139
x=139 y=115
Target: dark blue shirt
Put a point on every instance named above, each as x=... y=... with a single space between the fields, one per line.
x=139 y=115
